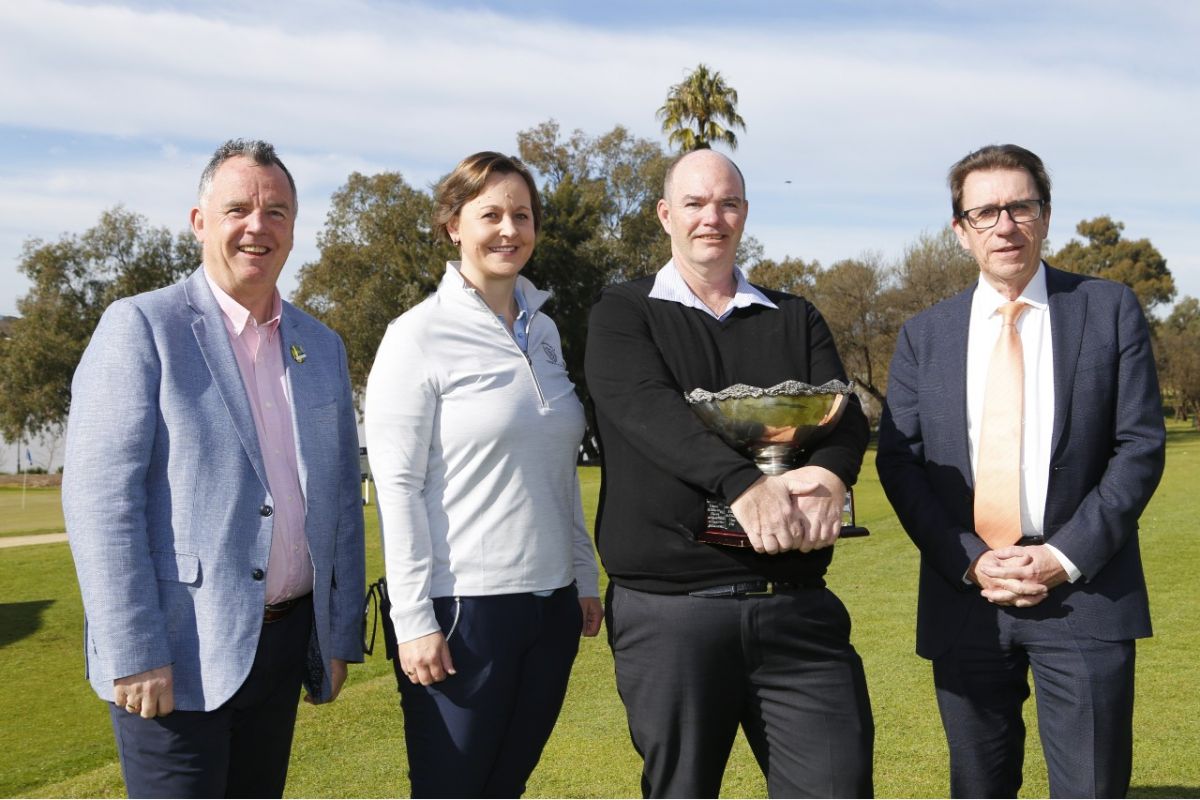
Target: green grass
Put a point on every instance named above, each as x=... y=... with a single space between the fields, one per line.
x=30 y=511
x=56 y=741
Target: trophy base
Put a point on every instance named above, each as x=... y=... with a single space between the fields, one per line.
x=723 y=528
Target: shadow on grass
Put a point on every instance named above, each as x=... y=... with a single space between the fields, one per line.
x=18 y=620
x=1164 y=791
x=1178 y=436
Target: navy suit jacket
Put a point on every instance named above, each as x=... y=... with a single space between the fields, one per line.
x=1107 y=456
x=166 y=497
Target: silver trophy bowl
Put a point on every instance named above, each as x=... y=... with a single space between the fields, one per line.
x=774 y=427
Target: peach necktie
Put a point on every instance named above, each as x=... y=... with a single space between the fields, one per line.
x=998 y=471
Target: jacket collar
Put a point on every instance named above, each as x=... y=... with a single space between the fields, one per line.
x=454 y=287
x=1068 y=313
x=209 y=329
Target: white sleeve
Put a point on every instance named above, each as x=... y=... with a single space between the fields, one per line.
x=399 y=408
x=1073 y=573
x=587 y=574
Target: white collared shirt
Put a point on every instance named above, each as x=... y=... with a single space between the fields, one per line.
x=1038 y=419
x=670 y=285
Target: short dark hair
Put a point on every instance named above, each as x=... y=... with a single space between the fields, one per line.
x=468 y=179
x=259 y=152
x=997 y=156
x=675 y=162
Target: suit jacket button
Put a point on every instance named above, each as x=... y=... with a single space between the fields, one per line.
x=257 y=574
x=266 y=511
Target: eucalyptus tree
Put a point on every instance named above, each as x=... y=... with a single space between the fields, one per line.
x=1107 y=254
x=73 y=280
x=378 y=258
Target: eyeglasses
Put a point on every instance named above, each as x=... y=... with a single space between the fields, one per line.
x=986 y=217
x=376 y=593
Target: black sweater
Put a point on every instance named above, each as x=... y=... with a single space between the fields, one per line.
x=661 y=462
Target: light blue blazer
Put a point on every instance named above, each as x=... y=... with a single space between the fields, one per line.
x=167 y=504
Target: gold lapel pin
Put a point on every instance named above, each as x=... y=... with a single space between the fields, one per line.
x=298 y=354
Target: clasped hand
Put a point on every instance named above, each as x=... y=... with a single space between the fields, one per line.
x=1017 y=576
x=798 y=510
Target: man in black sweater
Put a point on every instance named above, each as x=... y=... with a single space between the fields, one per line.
x=707 y=638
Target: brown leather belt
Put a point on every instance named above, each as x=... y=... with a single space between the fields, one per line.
x=277 y=611
x=760 y=588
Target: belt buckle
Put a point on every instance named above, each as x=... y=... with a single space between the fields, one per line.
x=274 y=612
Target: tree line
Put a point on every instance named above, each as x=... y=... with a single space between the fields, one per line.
x=377 y=257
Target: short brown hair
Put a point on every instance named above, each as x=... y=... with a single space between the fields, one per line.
x=468 y=179
x=997 y=156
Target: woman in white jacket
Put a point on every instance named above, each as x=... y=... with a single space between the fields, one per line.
x=472 y=430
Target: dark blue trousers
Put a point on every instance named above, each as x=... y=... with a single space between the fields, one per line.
x=1084 y=699
x=238 y=750
x=481 y=732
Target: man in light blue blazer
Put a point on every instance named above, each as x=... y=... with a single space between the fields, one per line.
x=212 y=502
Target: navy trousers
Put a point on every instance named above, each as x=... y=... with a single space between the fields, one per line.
x=690 y=670
x=480 y=732
x=238 y=750
x=1084 y=692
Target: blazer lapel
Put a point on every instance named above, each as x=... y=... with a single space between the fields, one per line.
x=300 y=379
x=213 y=341
x=1068 y=312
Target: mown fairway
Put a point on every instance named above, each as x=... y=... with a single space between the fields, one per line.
x=30 y=511
x=56 y=742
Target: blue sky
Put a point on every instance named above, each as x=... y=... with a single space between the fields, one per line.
x=862 y=106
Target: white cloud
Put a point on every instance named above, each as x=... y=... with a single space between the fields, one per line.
x=863 y=117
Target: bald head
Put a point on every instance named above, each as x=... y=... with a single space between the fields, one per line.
x=703 y=210
x=698 y=156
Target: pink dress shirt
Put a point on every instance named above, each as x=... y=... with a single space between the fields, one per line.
x=259 y=356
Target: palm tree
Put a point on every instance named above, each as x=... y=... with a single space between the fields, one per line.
x=695 y=109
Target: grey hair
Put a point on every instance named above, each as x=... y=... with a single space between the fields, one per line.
x=259 y=152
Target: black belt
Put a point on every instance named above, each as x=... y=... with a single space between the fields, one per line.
x=273 y=612
x=757 y=588
x=1030 y=541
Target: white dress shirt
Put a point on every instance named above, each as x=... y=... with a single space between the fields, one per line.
x=1038 y=419
x=670 y=285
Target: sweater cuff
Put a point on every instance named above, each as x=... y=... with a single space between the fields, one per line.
x=588 y=585
x=414 y=622
x=733 y=486
x=837 y=463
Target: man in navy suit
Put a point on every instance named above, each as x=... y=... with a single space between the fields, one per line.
x=1066 y=596
x=212 y=503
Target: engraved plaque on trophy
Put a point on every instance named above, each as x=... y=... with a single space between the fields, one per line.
x=774 y=427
